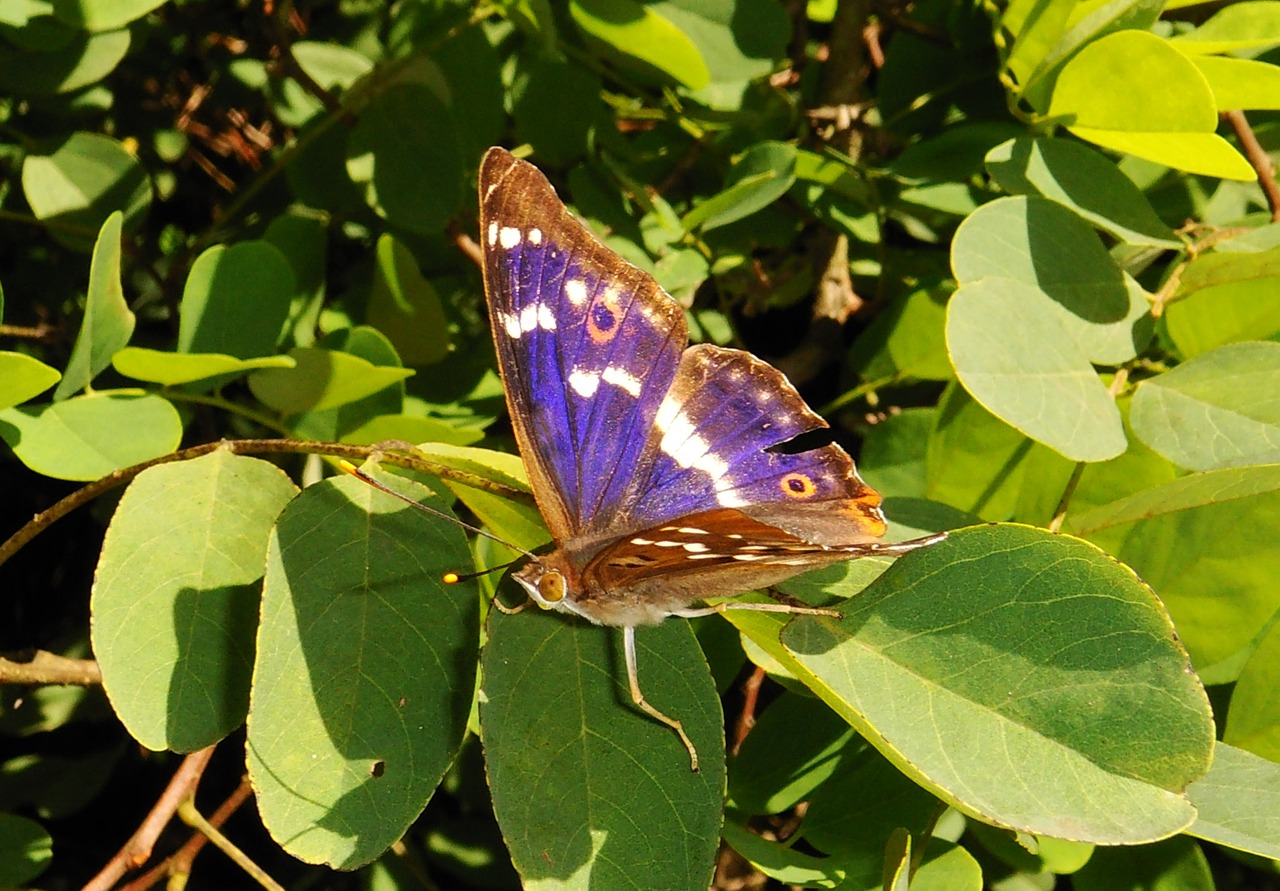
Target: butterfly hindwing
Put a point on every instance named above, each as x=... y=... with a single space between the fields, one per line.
x=588 y=346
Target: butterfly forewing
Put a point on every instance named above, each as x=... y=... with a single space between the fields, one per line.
x=588 y=346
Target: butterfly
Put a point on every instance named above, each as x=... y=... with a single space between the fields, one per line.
x=664 y=471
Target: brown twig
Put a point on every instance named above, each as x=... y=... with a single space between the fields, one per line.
x=137 y=850
x=747 y=717
x=49 y=668
x=843 y=78
x=1258 y=157
x=465 y=243
x=179 y=862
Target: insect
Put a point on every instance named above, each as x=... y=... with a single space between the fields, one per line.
x=666 y=473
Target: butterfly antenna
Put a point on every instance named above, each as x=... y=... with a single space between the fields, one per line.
x=450 y=577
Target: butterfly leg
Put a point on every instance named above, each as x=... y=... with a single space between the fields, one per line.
x=633 y=677
x=794 y=609
x=509 y=610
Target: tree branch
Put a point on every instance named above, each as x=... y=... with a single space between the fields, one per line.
x=1258 y=157
x=49 y=668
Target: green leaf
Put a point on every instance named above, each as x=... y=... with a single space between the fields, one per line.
x=90 y=16
x=1238 y=802
x=1185 y=493
x=1240 y=83
x=1253 y=723
x=794 y=747
x=588 y=790
x=236 y=300
x=1215 y=410
x=1083 y=181
x=637 y=33
x=1042 y=244
x=365 y=670
x=171 y=369
x=22 y=377
x=25 y=849
x=80 y=182
x=321 y=379
x=334 y=67
x=1167 y=116
x=855 y=816
x=993 y=739
x=369 y=345
x=738 y=40
x=761 y=176
x=403 y=125
x=906 y=340
x=974 y=460
x=556 y=106
x=1228 y=313
x=1175 y=863
x=894 y=450
x=781 y=861
x=176 y=596
x=60 y=64
x=404 y=306
x=1027 y=371
x=87 y=437
x=1237 y=26
x=108 y=322
x=1219 y=588
x=411 y=428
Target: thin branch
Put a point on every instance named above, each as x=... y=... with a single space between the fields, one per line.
x=43 y=520
x=747 y=717
x=178 y=864
x=49 y=668
x=188 y=814
x=137 y=850
x=1059 y=515
x=1258 y=157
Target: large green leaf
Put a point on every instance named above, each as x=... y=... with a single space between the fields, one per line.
x=236 y=300
x=589 y=791
x=77 y=184
x=1167 y=115
x=639 y=32
x=404 y=305
x=1028 y=371
x=176 y=596
x=1072 y=714
x=401 y=127
x=1236 y=26
x=108 y=321
x=761 y=176
x=87 y=437
x=57 y=59
x=1042 y=244
x=738 y=39
x=1215 y=569
x=1238 y=802
x=1218 y=409
x=1240 y=83
x=1082 y=180
x=974 y=461
x=365 y=670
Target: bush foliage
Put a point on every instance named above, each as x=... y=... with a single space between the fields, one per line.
x=1020 y=254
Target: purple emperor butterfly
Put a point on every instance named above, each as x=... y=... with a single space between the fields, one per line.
x=656 y=465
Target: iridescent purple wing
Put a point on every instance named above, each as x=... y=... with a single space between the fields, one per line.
x=621 y=427
x=587 y=344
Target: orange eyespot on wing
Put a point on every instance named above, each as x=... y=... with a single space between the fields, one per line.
x=798 y=486
x=604 y=317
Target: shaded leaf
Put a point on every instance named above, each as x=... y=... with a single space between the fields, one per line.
x=365 y=670
x=176 y=596
x=1253 y=723
x=639 y=31
x=588 y=790
x=236 y=300
x=321 y=379
x=1238 y=802
x=170 y=369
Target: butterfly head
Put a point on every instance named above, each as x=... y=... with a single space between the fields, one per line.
x=545 y=584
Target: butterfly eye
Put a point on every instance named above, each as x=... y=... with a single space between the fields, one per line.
x=551 y=587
